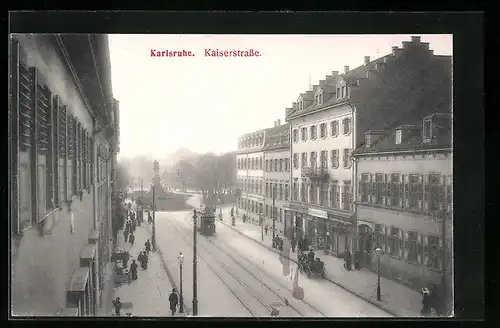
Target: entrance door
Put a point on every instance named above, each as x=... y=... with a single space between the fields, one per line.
x=366 y=243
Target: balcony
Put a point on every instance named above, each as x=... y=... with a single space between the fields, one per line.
x=320 y=172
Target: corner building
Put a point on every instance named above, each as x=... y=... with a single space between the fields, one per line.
x=331 y=120
x=63 y=136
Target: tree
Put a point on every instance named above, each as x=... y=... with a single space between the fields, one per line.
x=123 y=177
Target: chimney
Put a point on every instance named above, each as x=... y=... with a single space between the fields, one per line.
x=372 y=136
x=396 y=52
x=406 y=44
x=335 y=73
x=415 y=39
x=346 y=69
x=367 y=60
x=278 y=122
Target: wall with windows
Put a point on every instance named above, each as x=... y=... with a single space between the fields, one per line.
x=53 y=147
x=277 y=173
x=323 y=141
x=400 y=203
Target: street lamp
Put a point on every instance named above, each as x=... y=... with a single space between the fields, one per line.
x=181 y=260
x=195 y=288
x=378 y=253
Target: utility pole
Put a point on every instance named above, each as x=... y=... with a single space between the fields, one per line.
x=273 y=212
x=153 y=237
x=195 y=265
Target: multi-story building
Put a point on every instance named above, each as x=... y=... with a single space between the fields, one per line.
x=277 y=175
x=250 y=172
x=330 y=120
x=404 y=200
x=61 y=148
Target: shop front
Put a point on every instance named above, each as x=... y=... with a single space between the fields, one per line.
x=317 y=228
x=337 y=235
x=298 y=217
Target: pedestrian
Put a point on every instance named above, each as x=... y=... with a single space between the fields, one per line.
x=131 y=239
x=118 y=306
x=140 y=259
x=125 y=234
x=306 y=242
x=173 y=301
x=280 y=243
x=294 y=243
x=133 y=270
x=147 y=245
x=266 y=229
x=146 y=260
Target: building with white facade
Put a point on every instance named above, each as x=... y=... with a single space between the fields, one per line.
x=250 y=172
x=277 y=176
x=404 y=201
x=330 y=120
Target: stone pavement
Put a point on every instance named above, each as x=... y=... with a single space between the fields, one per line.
x=149 y=293
x=397 y=299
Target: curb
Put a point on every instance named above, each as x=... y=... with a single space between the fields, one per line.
x=169 y=274
x=369 y=300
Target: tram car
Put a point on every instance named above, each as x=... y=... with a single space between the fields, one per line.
x=206 y=221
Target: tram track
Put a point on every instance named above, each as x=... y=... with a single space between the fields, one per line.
x=262 y=307
x=302 y=308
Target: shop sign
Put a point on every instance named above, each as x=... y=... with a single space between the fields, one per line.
x=318 y=213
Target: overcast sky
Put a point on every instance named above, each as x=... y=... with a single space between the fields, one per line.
x=205 y=103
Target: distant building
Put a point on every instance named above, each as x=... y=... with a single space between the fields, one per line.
x=62 y=147
x=331 y=120
x=277 y=175
x=250 y=172
x=405 y=200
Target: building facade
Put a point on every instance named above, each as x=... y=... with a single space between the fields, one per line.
x=250 y=173
x=277 y=176
x=405 y=201
x=331 y=120
x=61 y=130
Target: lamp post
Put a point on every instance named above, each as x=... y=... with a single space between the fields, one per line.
x=195 y=288
x=181 y=261
x=261 y=226
x=153 y=237
x=378 y=253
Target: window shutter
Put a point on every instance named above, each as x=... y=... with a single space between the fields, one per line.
x=337 y=196
x=449 y=193
x=442 y=192
x=406 y=248
x=374 y=188
x=420 y=244
x=406 y=191
x=427 y=188
x=369 y=188
x=360 y=184
x=389 y=239
x=425 y=250
x=401 y=196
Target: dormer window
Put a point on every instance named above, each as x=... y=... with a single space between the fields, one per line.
x=427 y=131
x=300 y=103
x=368 y=140
x=319 y=97
x=398 y=137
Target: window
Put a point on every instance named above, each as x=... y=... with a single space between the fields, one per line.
x=432 y=254
x=46 y=148
x=379 y=185
x=304 y=160
x=394 y=190
x=323 y=158
x=314 y=160
x=295 y=191
x=334 y=127
x=260 y=187
x=347 y=158
x=281 y=165
x=303 y=134
x=271 y=162
x=313 y=195
x=295 y=135
x=281 y=192
x=314 y=132
x=412 y=246
x=260 y=163
x=295 y=161
x=346 y=124
x=398 y=137
x=301 y=104
x=322 y=130
x=335 y=195
x=276 y=165
x=394 y=242
x=287 y=165
x=303 y=193
x=267 y=165
x=335 y=158
x=286 y=192
x=415 y=191
x=435 y=192
x=427 y=129
x=319 y=97
x=338 y=93
x=71 y=155
x=379 y=236
x=323 y=197
x=346 y=196
x=364 y=187
x=449 y=193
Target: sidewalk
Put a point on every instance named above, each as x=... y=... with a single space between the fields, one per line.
x=397 y=299
x=149 y=293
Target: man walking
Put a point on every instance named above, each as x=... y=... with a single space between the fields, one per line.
x=173 y=301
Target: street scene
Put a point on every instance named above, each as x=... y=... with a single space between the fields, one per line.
x=258 y=181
